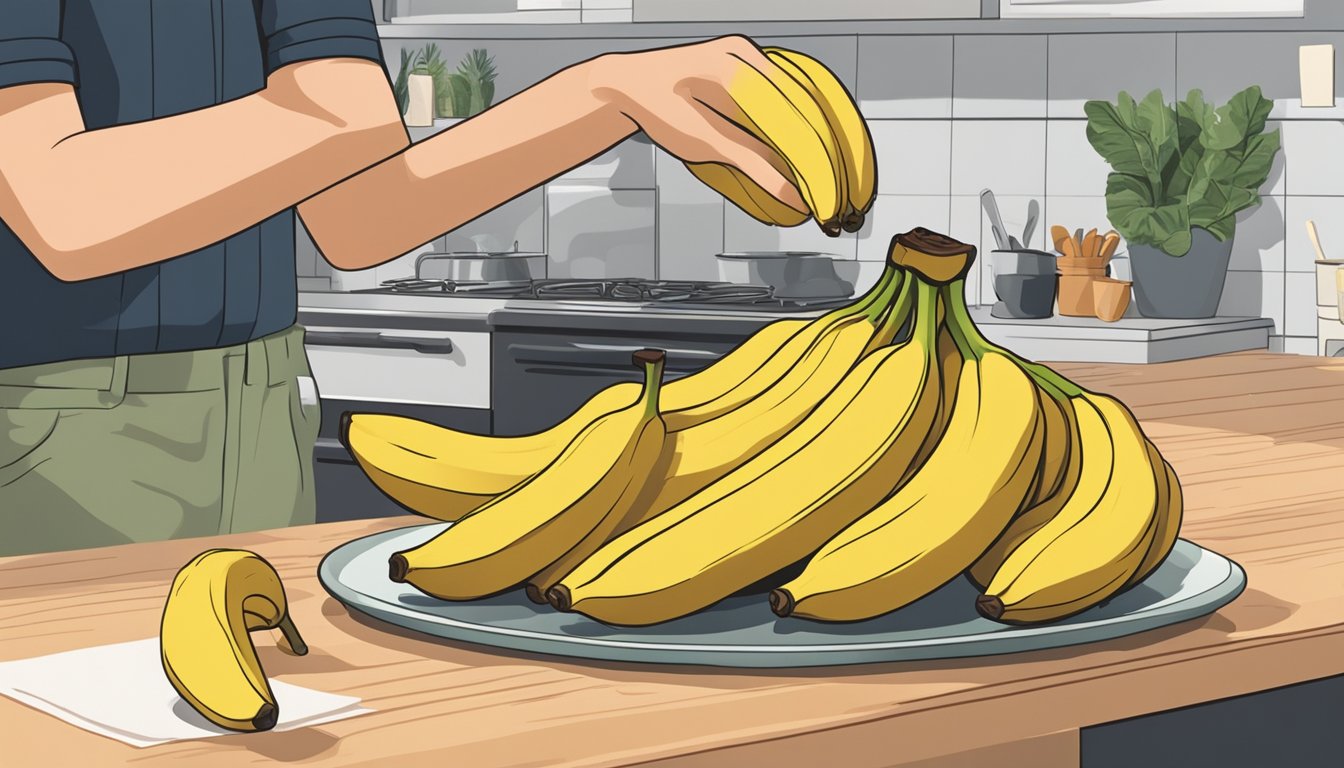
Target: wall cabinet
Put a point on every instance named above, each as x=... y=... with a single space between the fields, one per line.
x=1131 y=9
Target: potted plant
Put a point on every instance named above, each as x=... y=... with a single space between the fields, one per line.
x=1180 y=175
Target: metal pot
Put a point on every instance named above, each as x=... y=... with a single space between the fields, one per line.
x=482 y=266
x=789 y=274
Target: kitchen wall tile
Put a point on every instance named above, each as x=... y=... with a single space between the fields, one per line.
x=1259 y=239
x=839 y=53
x=1299 y=304
x=914 y=157
x=999 y=76
x=908 y=77
x=1007 y=156
x=596 y=232
x=1254 y=294
x=1073 y=213
x=966 y=217
x=1314 y=157
x=1277 y=181
x=1328 y=213
x=521 y=220
x=1300 y=345
x=893 y=214
x=1072 y=166
x=862 y=274
x=743 y=233
x=690 y=223
x=1223 y=63
x=1084 y=67
x=1276 y=344
x=628 y=165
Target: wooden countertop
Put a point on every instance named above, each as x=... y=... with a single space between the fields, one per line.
x=1258 y=440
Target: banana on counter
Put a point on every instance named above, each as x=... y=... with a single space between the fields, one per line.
x=215 y=601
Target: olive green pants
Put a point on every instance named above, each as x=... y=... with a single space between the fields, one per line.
x=149 y=447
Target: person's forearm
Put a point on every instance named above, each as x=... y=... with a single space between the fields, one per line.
x=455 y=176
x=104 y=201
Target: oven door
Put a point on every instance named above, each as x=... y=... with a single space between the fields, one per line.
x=540 y=378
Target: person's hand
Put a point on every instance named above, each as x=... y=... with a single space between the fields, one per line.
x=679 y=97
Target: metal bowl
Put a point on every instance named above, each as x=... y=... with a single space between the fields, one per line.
x=468 y=266
x=789 y=274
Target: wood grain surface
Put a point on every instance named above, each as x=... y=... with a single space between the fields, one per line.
x=1257 y=439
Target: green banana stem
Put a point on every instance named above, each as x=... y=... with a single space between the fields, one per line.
x=926 y=317
x=971 y=341
x=897 y=306
x=652 y=361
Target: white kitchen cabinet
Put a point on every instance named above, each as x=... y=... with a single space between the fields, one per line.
x=1142 y=9
x=413 y=367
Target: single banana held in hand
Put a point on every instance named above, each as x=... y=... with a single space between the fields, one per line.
x=208 y=656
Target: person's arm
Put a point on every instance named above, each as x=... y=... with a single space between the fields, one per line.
x=92 y=203
x=678 y=96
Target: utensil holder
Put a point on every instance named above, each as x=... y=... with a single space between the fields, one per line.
x=1110 y=298
x=1075 y=287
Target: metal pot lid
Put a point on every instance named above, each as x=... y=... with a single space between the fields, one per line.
x=776 y=255
x=483 y=255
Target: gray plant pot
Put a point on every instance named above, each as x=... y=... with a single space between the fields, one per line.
x=1180 y=286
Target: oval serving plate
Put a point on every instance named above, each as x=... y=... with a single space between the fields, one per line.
x=741 y=631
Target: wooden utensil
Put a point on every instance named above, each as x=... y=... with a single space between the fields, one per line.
x=1315 y=240
x=1091 y=245
x=1058 y=235
x=1108 y=245
x=1069 y=247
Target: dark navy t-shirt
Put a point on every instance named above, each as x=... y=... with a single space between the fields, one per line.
x=134 y=60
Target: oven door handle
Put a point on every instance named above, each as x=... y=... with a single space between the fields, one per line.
x=429 y=343
x=605 y=357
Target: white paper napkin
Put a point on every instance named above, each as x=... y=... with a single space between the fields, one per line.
x=120 y=691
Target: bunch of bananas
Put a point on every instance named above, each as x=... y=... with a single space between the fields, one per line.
x=215 y=601
x=886 y=448
x=801 y=111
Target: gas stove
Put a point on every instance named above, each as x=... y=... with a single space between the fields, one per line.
x=687 y=294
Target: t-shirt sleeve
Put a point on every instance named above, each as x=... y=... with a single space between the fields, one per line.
x=31 y=50
x=299 y=30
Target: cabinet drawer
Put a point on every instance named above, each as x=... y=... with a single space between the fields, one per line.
x=450 y=368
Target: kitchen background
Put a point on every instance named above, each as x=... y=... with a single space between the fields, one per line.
x=982 y=106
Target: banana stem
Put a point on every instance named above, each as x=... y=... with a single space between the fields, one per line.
x=969 y=338
x=652 y=361
x=291 y=633
x=926 y=319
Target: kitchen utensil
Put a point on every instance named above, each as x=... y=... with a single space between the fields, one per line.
x=1091 y=245
x=1059 y=236
x=1110 y=298
x=1014 y=243
x=789 y=274
x=1033 y=215
x=741 y=631
x=1075 y=295
x=1315 y=240
x=1024 y=297
x=1078 y=238
x=1109 y=244
x=1070 y=248
x=481 y=266
x=991 y=207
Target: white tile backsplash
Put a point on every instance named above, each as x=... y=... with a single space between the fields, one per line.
x=628 y=165
x=905 y=77
x=596 y=232
x=1223 y=63
x=893 y=214
x=1300 y=345
x=690 y=223
x=1299 y=304
x=999 y=76
x=521 y=220
x=1084 y=67
x=1072 y=166
x=965 y=226
x=1007 y=156
x=1258 y=243
x=914 y=157
x=1315 y=152
x=1328 y=213
x=1254 y=294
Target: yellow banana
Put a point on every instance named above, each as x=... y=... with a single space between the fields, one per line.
x=840 y=461
x=208 y=656
x=858 y=160
x=957 y=503
x=1170 y=509
x=1097 y=541
x=774 y=108
x=747 y=195
x=708 y=451
x=500 y=545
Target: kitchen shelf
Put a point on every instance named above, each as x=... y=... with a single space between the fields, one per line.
x=1132 y=339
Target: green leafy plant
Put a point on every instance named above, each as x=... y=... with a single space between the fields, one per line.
x=1181 y=166
x=401 y=87
x=477 y=71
